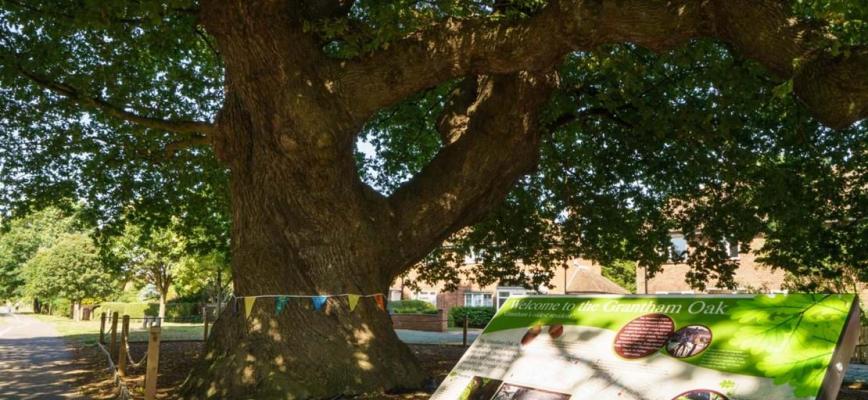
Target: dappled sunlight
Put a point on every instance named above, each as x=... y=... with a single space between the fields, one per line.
x=363 y=335
x=274 y=330
x=279 y=362
x=363 y=361
x=255 y=325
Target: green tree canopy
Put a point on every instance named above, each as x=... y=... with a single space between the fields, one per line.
x=70 y=268
x=151 y=256
x=523 y=131
x=22 y=237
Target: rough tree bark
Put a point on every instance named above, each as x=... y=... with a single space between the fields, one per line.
x=304 y=222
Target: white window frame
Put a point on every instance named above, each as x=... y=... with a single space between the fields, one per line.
x=671 y=251
x=478 y=299
x=426 y=296
x=505 y=292
x=729 y=247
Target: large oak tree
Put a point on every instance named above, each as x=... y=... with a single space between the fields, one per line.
x=603 y=124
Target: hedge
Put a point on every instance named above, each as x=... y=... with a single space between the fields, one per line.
x=411 y=307
x=184 y=311
x=477 y=317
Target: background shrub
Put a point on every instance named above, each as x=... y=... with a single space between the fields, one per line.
x=411 y=307
x=477 y=317
x=186 y=312
x=62 y=307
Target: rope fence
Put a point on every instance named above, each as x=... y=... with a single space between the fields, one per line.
x=133 y=363
x=121 y=351
x=123 y=390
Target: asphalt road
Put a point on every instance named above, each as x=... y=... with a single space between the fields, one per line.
x=34 y=362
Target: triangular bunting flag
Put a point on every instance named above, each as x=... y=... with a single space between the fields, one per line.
x=248 y=305
x=353 y=299
x=381 y=301
x=318 y=301
x=280 y=303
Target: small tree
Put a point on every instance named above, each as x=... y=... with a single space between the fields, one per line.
x=23 y=237
x=71 y=269
x=151 y=257
x=208 y=274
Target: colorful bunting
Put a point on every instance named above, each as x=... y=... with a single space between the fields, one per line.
x=353 y=299
x=248 y=305
x=319 y=301
x=280 y=303
x=381 y=301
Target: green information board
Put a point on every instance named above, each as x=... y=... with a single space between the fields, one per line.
x=739 y=347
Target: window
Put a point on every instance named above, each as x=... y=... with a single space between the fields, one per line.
x=730 y=247
x=395 y=294
x=478 y=299
x=430 y=297
x=677 y=247
x=504 y=293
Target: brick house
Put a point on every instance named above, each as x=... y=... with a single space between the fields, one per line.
x=750 y=276
x=580 y=276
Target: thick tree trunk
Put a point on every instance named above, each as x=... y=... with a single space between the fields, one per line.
x=304 y=223
x=301 y=352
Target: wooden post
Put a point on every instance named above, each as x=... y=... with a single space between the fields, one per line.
x=122 y=352
x=102 y=328
x=113 y=348
x=153 y=363
x=465 y=331
x=205 y=320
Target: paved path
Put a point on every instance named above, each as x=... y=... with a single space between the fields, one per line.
x=857 y=373
x=34 y=361
x=421 y=337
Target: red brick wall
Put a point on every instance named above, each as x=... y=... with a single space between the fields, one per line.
x=448 y=300
x=421 y=322
x=751 y=275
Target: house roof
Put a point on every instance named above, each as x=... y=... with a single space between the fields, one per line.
x=586 y=281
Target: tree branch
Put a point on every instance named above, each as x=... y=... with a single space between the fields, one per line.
x=193 y=11
x=763 y=30
x=173 y=147
x=456 y=114
x=97 y=103
x=472 y=174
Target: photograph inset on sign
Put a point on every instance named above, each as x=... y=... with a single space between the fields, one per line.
x=513 y=392
x=480 y=388
x=701 y=395
x=689 y=341
x=531 y=334
x=644 y=336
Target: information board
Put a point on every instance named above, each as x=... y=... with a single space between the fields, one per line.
x=739 y=347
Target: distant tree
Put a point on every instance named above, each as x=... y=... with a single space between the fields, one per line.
x=151 y=257
x=622 y=272
x=71 y=269
x=208 y=274
x=22 y=237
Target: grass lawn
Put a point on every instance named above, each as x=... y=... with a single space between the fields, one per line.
x=87 y=332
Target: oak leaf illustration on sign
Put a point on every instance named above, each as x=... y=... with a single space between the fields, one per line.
x=792 y=337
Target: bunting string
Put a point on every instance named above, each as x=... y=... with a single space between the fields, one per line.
x=318 y=301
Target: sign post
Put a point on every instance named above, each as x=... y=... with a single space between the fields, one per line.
x=737 y=347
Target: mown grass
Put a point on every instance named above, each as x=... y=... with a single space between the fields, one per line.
x=87 y=332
